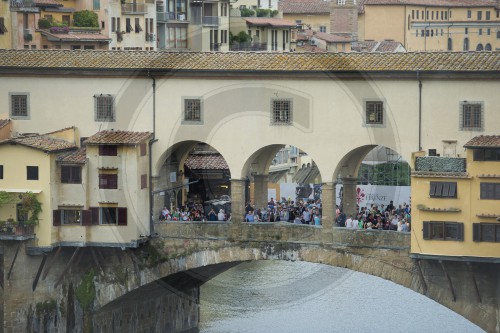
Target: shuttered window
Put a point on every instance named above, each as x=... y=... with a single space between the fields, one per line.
x=453 y=231
x=443 y=190
x=71 y=174
x=108 y=181
x=108 y=150
x=486 y=232
x=490 y=191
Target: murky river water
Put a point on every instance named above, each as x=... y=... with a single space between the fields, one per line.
x=281 y=296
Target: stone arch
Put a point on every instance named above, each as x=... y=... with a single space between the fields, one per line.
x=466 y=44
x=487 y=47
x=479 y=47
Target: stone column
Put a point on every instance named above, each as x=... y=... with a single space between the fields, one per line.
x=328 y=205
x=158 y=199
x=349 y=196
x=237 y=200
x=260 y=191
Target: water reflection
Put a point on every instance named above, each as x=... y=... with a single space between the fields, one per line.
x=281 y=296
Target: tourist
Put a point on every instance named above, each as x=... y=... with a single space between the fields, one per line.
x=221 y=216
x=212 y=216
x=349 y=223
x=306 y=215
x=404 y=226
x=316 y=219
x=250 y=217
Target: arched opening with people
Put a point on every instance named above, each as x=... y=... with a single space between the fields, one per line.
x=283 y=185
x=373 y=190
x=193 y=184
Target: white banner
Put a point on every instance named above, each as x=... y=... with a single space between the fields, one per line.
x=366 y=195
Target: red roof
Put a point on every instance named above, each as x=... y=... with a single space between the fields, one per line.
x=48 y=3
x=118 y=137
x=78 y=37
x=206 y=162
x=78 y=156
x=41 y=142
x=270 y=22
x=304 y=7
x=484 y=141
x=435 y=3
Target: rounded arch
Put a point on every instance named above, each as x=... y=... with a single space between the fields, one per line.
x=450 y=44
x=487 y=47
x=479 y=47
x=466 y=44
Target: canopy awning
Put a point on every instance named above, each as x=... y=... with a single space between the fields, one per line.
x=19 y=190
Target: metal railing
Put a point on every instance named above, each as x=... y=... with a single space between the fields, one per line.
x=249 y=46
x=165 y=17
x=22 y=4
x=14 y=229
x=212 y=21
x=134 y=8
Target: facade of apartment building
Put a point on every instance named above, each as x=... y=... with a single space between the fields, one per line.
x=456 y=211
x=267 y=34
x=313 y=15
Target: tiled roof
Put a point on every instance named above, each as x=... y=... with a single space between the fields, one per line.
x=76 y=37
x=373 y=46
x=269 y=22
x=484 y=141
x=206 y=162
x=78 y=156
x=332 y=38
x=12 y=60
x=49 y=3
x=4 y=122
x=304 y=7
x=118 y=137
x=42 y=142
x=436 y=3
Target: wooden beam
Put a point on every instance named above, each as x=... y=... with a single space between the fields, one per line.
x=13 y=260
x=51 y=263
x=96 y=261
x=421 y=276
x=68 y=265
x=39 y=272
x=450 y=285
x=474 y=281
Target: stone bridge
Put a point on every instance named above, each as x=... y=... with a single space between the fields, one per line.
x=156 y=287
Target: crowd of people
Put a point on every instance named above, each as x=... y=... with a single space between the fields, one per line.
x=381 y=218
x=301 y=212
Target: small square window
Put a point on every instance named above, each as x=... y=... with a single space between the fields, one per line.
x=19 y=105
x=71 y=217
x=192 y=110
x=109 y=215
x=71 y=174
x=104 y=108
x=471 y=116
x=108 y=150
x=281 y=112
x=32 y=173
x=374 y=112
x=108 y=181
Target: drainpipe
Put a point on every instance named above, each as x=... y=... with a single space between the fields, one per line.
x=419 y=111
x=151 y=141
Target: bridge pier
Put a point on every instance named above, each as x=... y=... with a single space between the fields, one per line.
x=260 y=191
x=328 y=210
x=349 y=205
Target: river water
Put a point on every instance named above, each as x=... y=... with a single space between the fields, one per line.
x=285 y=296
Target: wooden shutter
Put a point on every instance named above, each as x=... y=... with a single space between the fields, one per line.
x=426 y=230
x=144 y=181
x=476 y=232
x=478 y=154
x=94 y=213
x=453 y=190
x=460 y=231
x=122 y=216
x=87 y=217
x=432 y=190
x=56 y=218
x=143 y=149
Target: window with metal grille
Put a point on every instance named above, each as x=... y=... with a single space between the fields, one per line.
x=443 y=190
x=443 y=231
x=3 y=29
x=138 y=27
x=471 y=116
x=281 y=112
x=128 y=25
x=104 y=108
x=486 y=232
x=490 y=191
x=108 y=181
x=192 y=109
x=374 y=113
x=32 y=173
x=19 y=105
x=71 y=174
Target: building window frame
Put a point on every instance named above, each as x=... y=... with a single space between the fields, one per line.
x=104 y=108
x=471 y=116
x=192 y=110
x=71 y=217
x=108 y=150
x=19 y=105
x=32 y=172
x=489 y=191
x=444 y=190
x=71 y=174
x=443 y=230
x=480 y=232
x=108 y=181
x=281 y=111
x=374 y=112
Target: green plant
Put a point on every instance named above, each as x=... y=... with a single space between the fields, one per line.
x=241 y=37
x=45 y=22
x=30 y=207
x=245 y=12
x=85 y=292
x=263 y=12
x=85 y=18
x=45 y=307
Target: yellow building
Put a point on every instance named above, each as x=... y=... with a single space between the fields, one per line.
x=313 y=15
x=455 y=207
x=96 y=195
x=432 y=25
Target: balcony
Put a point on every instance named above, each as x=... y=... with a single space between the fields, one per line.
x=165 y=17
x=133 y=8
x=210 y=21
x=23 y=5
x=249 y=46
x=11 y=230
x=28 y=35
x=150 y=37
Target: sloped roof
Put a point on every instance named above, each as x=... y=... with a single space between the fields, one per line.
x=332 y=38
x=206 y=162
x=43 y=60
x=484 y=141
x=48 y=3
x=373 y=46
x=75 y=37
x=4 y=122
x=41 y=142
x=269 y=22
x=78 y=156
x=118 y=138
x=304 y=6
x=435 y=3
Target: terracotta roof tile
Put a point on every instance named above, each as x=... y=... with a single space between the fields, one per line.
x=79 y=37
x=333 y=37
x=269 y=22
x=373 y=46
x=51 y=3
x=304 y=7
x=78 y=156
x=436 y=3
x=22 y=60
x=42 y=142
x=118 y=137
x=206 y=162
x=484 y=141
x=4 y=122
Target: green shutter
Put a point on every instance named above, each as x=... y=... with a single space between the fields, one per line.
x=426 y=230
x=476 y=232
